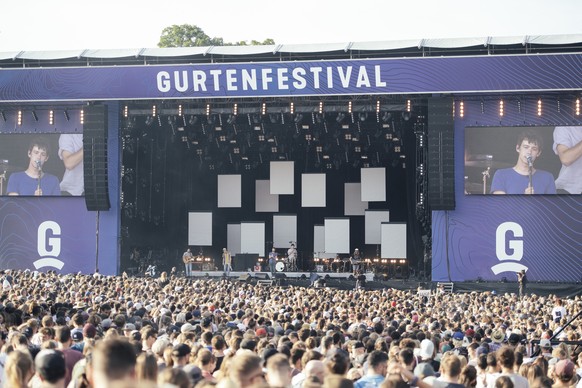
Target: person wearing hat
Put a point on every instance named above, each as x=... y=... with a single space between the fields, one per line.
x=497 y=338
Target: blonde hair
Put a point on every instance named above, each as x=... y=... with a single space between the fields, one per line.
x=19 y=369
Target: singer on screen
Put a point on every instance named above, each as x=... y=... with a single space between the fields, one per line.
x=524 y=178
x=34 y=181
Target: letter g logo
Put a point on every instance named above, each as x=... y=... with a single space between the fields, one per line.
x=49 y=245
x=511 y=249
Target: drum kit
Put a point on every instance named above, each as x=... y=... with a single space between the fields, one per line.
x=285 y=264
x=487 y=165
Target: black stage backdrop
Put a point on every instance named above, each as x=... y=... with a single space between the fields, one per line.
x=170 y=166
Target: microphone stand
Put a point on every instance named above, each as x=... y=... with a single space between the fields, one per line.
x=39 y=167
x=486 y=175
x=530 y=174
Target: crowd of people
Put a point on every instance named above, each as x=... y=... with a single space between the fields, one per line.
x=99 y=331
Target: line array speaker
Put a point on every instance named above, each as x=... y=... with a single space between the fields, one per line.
x=95 y=158
x=441 y=154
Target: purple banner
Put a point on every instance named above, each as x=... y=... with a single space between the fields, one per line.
x=346 y=77
x=494 y=236
x=47 y=234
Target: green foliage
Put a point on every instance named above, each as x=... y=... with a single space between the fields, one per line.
x=187 y=35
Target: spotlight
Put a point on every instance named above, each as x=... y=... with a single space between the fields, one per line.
x=291 y=107
x=539 y=107
x=263 y=108
x=154 y=110
x=577 y=104
x=125 y=111
x=192 y=120
x=82 y=116
x=19 y=118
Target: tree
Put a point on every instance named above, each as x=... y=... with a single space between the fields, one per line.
x=187 y=35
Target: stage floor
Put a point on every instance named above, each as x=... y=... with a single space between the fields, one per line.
x=344 y=280
x=292 y=275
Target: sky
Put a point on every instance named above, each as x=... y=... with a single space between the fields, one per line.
x=32 y=25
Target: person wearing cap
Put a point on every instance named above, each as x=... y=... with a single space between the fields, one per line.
x=458 y=347
x=128 y=328
x=564 y=374
x=50 y=369
x=180 y=355
x=546 y=348
x=426 y=354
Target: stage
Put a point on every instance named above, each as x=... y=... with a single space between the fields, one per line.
x=264 y=275
x=345 y=280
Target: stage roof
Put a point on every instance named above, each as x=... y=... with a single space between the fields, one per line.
x=429 y=47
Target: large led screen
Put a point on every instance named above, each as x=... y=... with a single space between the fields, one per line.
x=523 y=160
x=41 y=164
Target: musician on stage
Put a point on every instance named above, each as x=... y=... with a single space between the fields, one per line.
x=272 y=261
x=188 y=258
x=34 y=181
x=226 y=261
x=292 y=256
x=355 y=260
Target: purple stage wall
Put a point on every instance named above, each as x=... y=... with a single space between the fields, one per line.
x=58 y=233
x=491 y=237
